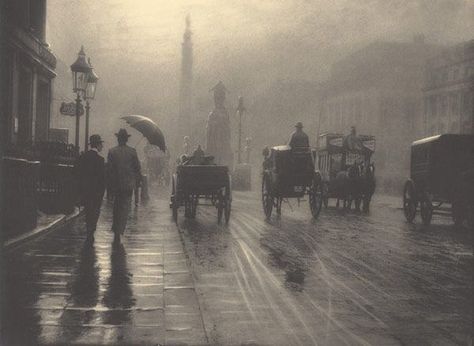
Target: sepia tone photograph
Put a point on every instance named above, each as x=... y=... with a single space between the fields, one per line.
x=237 y=172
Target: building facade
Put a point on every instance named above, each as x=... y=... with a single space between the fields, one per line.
x=28 y=71
x=449 y=91
x=378 y=89
x=35 y=174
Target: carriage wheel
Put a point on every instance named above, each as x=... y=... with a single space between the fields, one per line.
x=174 y=201
x=426 y=209
x=316 y=198
x=267 y=198
x=220 y=204
x=409 y=201
x=228 y=204
x=458 y=211
x=325 y=195
x=278 y=203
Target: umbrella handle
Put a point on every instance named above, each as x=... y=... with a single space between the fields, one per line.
x=139 y=142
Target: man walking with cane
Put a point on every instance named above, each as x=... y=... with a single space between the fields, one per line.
x=124 y=168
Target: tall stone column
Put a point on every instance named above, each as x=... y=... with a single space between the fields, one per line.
x=185 y=89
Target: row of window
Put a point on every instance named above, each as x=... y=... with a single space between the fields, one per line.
x=452 y=104
x=450 y=74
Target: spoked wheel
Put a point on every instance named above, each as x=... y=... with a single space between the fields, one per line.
x=278 y=203
x=409 y=201
x=220 y=204
x=316 y=198
x=267 y=198
x=228 y=204
x=459 y=212
x=426 y=209
x=191 y=206
x=325 y=195
x=174 y=201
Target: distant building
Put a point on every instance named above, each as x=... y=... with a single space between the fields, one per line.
x=27 y=72
x=449 y=91
x=378 y=89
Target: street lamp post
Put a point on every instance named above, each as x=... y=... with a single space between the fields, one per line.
x=89 y=94
x=241 y=110
x=80 y=71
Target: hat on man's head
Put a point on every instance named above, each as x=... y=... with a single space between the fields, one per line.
x=95 y=139
x=299 y=125
x=122 y=133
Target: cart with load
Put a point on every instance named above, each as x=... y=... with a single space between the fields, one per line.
x=194 y=185
x=441 y=174
x=346 y=169
x=290 y=173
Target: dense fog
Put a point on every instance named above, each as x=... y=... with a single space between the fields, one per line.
x=276 y=54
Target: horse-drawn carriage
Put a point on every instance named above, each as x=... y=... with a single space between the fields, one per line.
x=441 y=172
x=290 y=173
x=192 y=184
x=346 y=170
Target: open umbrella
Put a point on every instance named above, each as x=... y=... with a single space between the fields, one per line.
x=148 y=128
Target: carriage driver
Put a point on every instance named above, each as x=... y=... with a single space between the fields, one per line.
x=299 y=139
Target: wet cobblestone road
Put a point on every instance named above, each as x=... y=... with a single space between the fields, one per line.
x=344 y=279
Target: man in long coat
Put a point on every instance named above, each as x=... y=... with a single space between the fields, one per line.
x=124 y=175
x=299 y=139
x=91 y=176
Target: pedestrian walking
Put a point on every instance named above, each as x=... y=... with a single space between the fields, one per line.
x=91 y=176
x=124 y=169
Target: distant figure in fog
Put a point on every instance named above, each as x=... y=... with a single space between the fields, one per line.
x=124 y=175
x=91 y=176
x=299 y=139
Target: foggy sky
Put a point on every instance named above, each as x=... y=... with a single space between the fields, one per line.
x=135 y=45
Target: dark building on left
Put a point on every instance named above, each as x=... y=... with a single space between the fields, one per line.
x=28 y=71
x=33 y=169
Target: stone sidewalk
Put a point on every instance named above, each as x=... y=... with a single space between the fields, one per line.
x=62 y=290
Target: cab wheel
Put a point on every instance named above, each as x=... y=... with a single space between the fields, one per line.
x=316 y=198
x=267 y=198
x=426 y=208
x=459 y=212
x=409 y=201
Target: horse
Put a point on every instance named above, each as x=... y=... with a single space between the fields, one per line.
x=367 y=185
x=346 y=186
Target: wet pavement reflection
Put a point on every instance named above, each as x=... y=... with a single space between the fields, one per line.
x=345 y=279
x=63 y=289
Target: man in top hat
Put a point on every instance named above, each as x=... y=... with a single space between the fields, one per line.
x=91 y=177
x=124 y=168
x=299 y=139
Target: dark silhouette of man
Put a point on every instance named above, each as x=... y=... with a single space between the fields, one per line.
x=124 y=174
x=299 y=139
x=91 y=174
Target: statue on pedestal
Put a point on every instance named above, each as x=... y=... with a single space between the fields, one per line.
x=218 y=129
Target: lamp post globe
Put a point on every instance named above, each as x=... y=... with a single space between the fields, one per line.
x=89 y=94
x=80 y=73
x=91 y=86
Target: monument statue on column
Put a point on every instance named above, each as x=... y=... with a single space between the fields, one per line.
x=218 y=129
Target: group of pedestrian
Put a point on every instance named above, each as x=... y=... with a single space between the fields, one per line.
x=123 y=173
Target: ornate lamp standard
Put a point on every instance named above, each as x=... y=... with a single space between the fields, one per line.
x=240 y=110
x=89 y=94
x=80 y=72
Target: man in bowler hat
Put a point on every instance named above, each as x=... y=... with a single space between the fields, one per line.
x=124 y=170
x=91 y=174
x=299 y=139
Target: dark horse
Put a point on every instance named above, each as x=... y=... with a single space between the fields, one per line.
x=356 y=184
